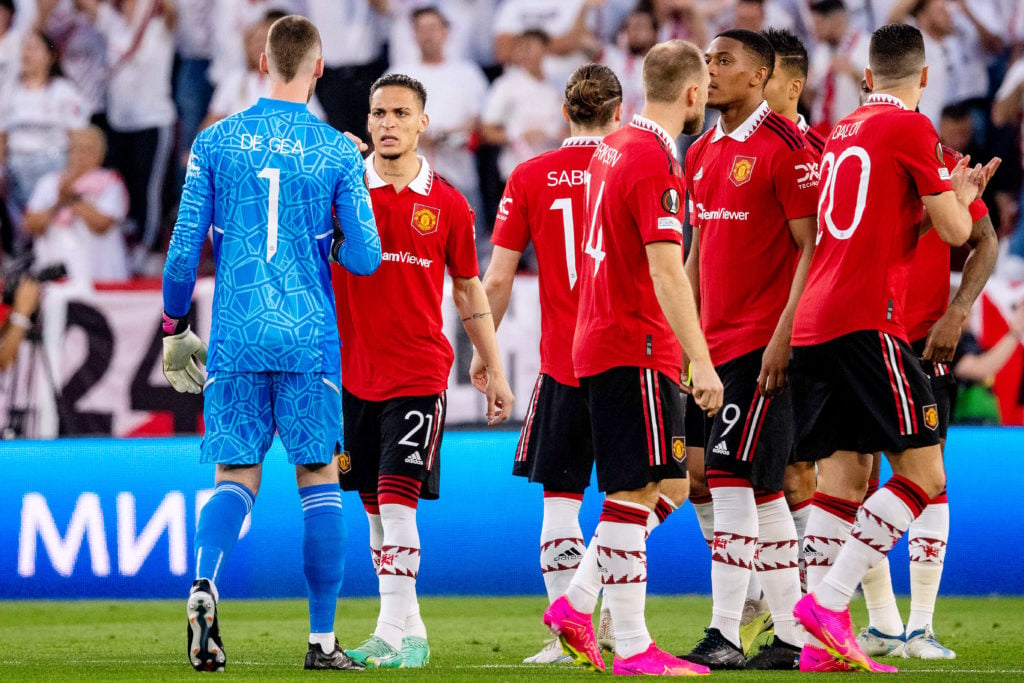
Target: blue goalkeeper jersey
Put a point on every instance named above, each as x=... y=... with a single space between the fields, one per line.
x=266 y=181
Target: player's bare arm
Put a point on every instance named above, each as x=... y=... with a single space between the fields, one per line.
x=471 y=302
x=945 y=333
x=950 y=217
x=498 y=279
x=692 y=268
x=774 y=375
x=675 y=296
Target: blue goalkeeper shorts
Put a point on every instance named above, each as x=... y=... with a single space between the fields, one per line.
x=242 y=411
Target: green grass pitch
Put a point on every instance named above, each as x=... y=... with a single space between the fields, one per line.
x=472 y=639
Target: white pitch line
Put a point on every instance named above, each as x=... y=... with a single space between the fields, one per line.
x=522 y=667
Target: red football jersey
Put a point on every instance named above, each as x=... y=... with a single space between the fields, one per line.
x=928 y=291
x=744 y=186
x=878 y=163
x=814 y=140
x=545 y=202
x=634 y=198
x=390 y=322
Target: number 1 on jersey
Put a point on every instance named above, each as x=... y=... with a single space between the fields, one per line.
x=564 y=205
x=274 y=176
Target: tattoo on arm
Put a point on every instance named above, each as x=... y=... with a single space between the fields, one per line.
x=475 y=316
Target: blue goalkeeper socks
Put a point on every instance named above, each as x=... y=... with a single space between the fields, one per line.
x=219 y=525
x=323 y=552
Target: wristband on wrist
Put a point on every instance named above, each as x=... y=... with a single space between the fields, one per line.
x=173 y=326
x=20 y=320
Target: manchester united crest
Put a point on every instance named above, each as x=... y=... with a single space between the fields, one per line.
x=345 y=462
x=424 y=219
x=742 y=168
x=931 y=416
x=679 y=449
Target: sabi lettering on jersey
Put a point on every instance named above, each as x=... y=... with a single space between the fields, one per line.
x=742 y=170
x=571 y=177
x=406 y=257
x=277 y=145
x=607 y=155
x=845 y=130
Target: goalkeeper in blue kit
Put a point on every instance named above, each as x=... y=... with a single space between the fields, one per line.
x=266 y=181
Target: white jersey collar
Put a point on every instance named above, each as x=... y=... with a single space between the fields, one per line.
x=802 y=124
x=420 y=184
x=581 y=141
x=882 y=98
x=743 y=131
x=651 y=127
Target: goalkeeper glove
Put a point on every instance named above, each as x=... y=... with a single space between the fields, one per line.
x=181 y=350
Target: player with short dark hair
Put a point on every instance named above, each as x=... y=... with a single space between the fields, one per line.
x=934 y=324
x=544 y=203
x=895 y=53
x=401 y=81
x=783 y=93
x=636 y=318
x=396 y=359
x=787 y=82
x=753 y=197
x=755 y=45
x=266 y=180
x=856 y=386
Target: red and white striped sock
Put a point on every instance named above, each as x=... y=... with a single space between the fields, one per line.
x=660 y=513
x=622 y=557
x=732 y=550
x=705 y=511
x=928 y=536
x=399 y=557
x=561 y=541
x=585 y=586
x=800 y=512
x=376 y=528
x=828 y=525
x=776 y=563
x=881 y=522
x=883 y=612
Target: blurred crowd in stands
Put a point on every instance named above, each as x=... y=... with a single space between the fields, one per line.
x=100 y=100
x=144 y=76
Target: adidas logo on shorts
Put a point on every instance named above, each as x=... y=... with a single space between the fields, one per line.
x=414 y=459
x=721 y=448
